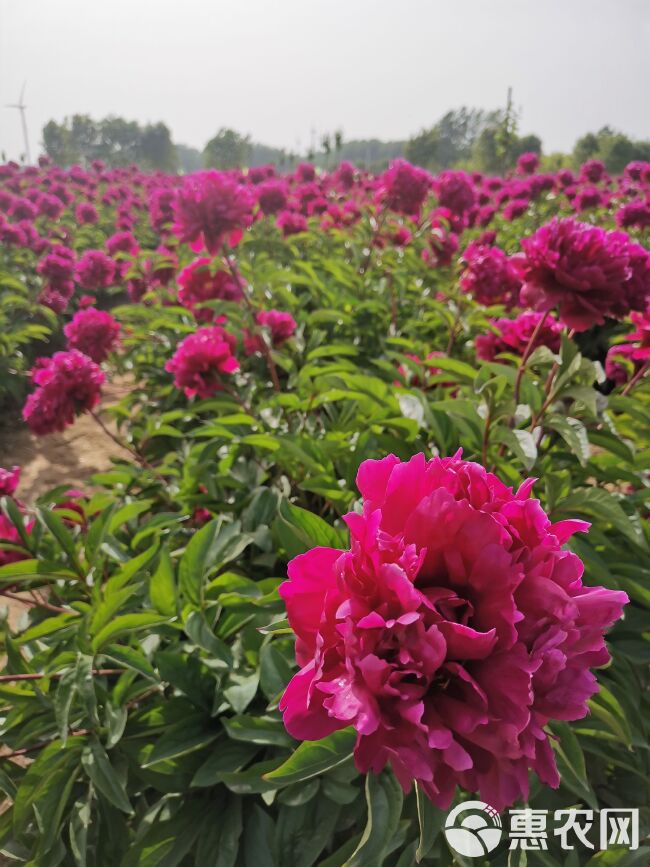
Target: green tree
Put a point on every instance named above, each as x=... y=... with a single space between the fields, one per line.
x=189 y=159
x=227 y=150
x=157 y=150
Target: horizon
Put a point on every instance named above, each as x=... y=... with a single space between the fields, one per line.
x=309 y=92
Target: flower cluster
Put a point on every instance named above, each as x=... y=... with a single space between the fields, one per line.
x=449 y=634
x=280 y=326
x=212 y=209
x=93 y=332
x=587 y=273
x=201 y=360
x=489 y=275
x=67 y=384
x=199 y=284
x=515 y=335
x=405 y=187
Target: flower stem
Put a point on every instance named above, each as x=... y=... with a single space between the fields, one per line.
x=264 y=345
x=636 y=378
x=527 y=353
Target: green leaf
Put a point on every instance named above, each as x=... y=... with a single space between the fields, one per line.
x=258 y=730
x=195 y=562
x=315 y=757
x=58 y=529
x=162 y=585
x=186 y=738
x=571 y=763
x=227 y=757
x=124 y=624
x=384 y=798
x=104 y=777
x=600 y=504
x=431 y=820
x=574 y=433
x=300 y=530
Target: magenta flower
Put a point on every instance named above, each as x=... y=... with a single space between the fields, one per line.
x=9 y=481
x=272 y=196
x=405 y=187
x=584 y=271
x=67 y=384
x=212 y=209
x=291 y=223
x=489 y=275
x=122 y=242
x=514 y=335
x=280 y=326
x=449 y=634
x=456 y=191
x=93 y=332
x=201 y=360
x=86 y=214
x=95 y=270
x=198 y=284
x=528 y=163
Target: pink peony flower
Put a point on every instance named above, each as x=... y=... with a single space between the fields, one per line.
x=122 y=242
x=212 y=209
x=291 y=223
x=9 y=481
x=93 y=332
x=593 y=171
x=489 y=275
x=95 y=270
x=515 y=209
x=201 y=359
x=281 y=327
x=635 y=214
x=86 y=214
x=584 y=271
x=528 y=163
x=456 y=191
x=198 y=284
x=272 y=196
x=513 y=336
x=405 y=187
x=449 y=634
x=67 y=384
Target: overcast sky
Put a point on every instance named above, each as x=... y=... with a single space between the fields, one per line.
x=279 y=68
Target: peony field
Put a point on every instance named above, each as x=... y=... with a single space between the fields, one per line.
x=372 y=538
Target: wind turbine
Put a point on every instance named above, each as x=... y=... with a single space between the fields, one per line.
x=20 y=105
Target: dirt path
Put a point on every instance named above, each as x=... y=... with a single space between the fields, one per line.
x=68 y=458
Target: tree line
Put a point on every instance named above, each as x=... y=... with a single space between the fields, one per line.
x=468 y=138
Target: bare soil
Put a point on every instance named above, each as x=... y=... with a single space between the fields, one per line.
x=68 y=458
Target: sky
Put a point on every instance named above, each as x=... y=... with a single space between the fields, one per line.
x=278 y=69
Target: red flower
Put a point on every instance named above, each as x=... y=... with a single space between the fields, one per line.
x=584 y=271
x=212 y=209
x=68 y=384
x=198 y=284
x=93 y=332
x=449 y=634
x=201 y=359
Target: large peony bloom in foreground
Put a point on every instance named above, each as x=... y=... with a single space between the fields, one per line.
x=201 y=360
x=93 y=332
x=67 y=384
x=450 y=633
x=211 y=209
x=584 y=271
